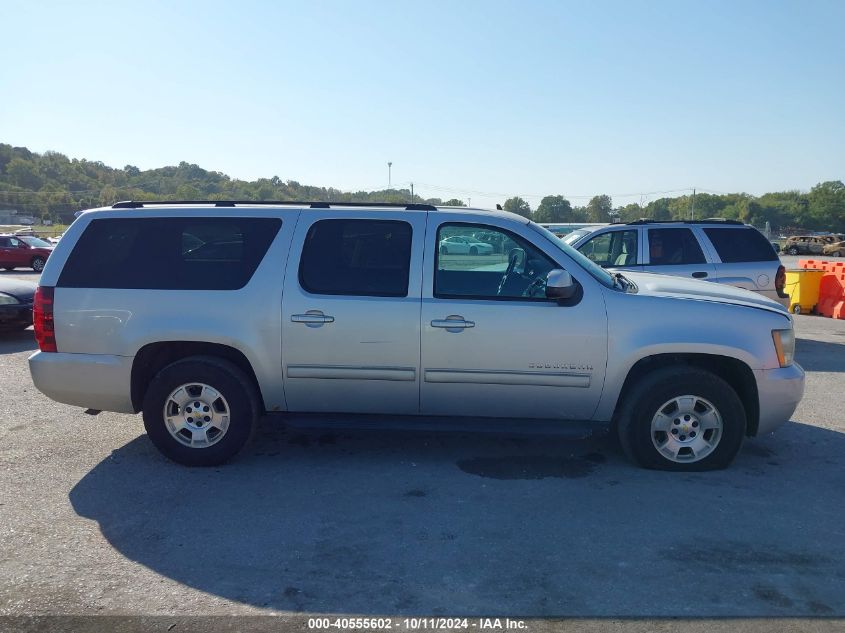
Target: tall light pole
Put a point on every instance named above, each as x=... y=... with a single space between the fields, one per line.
x=389 y=168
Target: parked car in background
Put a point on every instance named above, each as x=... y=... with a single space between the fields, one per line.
x=724 y=251
x=804 y=245
x=837 y=249
x=334 y=311
x=15 y=252
x=464 y=245
x=15 y=304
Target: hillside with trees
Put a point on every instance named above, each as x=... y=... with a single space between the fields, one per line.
x=51 y=186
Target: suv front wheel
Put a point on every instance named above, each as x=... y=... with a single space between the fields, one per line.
x=201 y=411
x=682 y=419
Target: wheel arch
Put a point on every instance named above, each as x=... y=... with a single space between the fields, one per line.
x=732 y=370
x=154 y=357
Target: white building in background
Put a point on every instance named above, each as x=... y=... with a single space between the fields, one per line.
x=10 y=216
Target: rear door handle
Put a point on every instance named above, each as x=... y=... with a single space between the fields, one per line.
x=699 y=275
x=312 y=317
x=453 y=322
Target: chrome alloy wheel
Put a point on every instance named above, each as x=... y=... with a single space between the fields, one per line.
x=196 y=415
x=686 y=429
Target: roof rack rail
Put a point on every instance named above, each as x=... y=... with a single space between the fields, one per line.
x=707 y=221
x=139 y=204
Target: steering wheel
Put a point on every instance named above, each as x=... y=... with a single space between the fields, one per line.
x=536 y=288
x=513 y=259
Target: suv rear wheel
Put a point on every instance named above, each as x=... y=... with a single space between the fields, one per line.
x=683 y=419
x=201 y=411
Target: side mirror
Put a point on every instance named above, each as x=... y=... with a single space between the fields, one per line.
x=560 y=285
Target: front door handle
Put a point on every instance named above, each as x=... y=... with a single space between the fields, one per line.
x=700 y=275
x=312 y=318
x=453 y=322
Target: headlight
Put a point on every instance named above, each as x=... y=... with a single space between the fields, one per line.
x=6 y=300
x=784 y=346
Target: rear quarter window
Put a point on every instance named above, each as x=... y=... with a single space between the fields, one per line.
x=169 y=253
x=741 y=245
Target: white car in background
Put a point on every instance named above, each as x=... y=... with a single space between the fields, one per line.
x=463 y=245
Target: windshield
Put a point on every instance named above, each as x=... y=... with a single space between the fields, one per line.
x=35 y=242
x=596 y=271
x=569 y=239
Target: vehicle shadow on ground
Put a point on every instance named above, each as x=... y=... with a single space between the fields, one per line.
x=20 y=341
x=815 y=355
x=411 y=523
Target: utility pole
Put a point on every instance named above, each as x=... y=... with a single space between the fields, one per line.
x=389 y=168
x=692 y=209
x=412 y=192
x=469 y=202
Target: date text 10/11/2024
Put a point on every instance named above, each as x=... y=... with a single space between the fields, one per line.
x=431 y=624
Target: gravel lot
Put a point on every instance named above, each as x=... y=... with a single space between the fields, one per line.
x=94 y=521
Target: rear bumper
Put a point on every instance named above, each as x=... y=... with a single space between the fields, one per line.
x=92 y=381
x=780 y=391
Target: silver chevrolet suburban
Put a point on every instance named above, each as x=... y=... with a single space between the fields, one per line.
x=207 y=315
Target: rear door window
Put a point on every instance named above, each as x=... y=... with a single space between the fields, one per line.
x=169 y=253
x=669 y=247
x=741 y=245
x=357 y=257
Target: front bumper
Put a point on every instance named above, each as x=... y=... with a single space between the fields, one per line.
x=91 y=381
x=17 y=315
x=779 y=390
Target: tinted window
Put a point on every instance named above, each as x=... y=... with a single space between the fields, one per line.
x=741 y=245
x=4 y=242
x=668 y=247
x=357 y=257
x=614 y=248
x=490 y=264
x=169 y=253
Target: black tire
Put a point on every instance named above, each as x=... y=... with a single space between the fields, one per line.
x=792 y=250
x=37 y=264
x=231 y=382
x=473 y=250
x=653 y=390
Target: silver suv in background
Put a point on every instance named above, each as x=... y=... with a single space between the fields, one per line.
x=724 y=251
x=207 y=316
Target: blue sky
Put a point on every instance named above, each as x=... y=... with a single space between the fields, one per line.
x=478 y=100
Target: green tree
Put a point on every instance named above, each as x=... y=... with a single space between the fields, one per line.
x=599 y=208
x=518 y=205
x=24 y=174
x=553 y=209
x=630 y=212
x=658 y=209
x=827 y=206
x=454 y=202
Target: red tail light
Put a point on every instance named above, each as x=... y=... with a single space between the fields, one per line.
x=42 y=318
x=780 y=281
